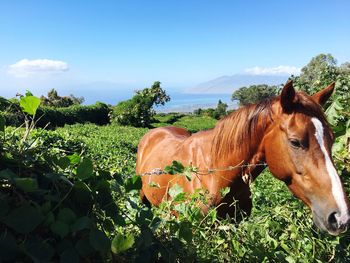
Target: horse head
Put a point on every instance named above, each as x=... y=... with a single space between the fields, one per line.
x=297 y=149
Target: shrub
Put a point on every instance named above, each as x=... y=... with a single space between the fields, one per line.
x=98 y=114
x=254 y=93
x=138 y=111
x=53 y=99
x=217 y=113
x=56 y=117
x=57 y=205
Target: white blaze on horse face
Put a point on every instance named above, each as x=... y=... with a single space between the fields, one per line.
x=337 y=189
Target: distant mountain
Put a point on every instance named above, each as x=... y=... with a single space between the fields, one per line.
x=228 y=84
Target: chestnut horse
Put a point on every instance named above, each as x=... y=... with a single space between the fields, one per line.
x=289 y=133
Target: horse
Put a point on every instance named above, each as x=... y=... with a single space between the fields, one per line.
x=289 y=133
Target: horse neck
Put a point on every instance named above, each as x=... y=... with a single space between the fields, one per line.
x=238 y=137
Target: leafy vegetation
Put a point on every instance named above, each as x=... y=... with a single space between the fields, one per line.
x=54 y=100
x=255 y=93
x=55 y=116
x=217 y=113
x=195 y=123
x=138 y=111
x=166 y=119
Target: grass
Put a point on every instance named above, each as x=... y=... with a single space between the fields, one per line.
x=195 y=123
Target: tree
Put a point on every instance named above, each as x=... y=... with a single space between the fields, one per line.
x=320 y=70
x=254 y=93
x=138 y=111
x=217 y=113
x=198 y=111
x=54 y=100
x=221 y=109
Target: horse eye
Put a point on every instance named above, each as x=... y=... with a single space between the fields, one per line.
x=295 y=143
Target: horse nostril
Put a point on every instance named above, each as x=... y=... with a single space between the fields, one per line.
x=332 y=220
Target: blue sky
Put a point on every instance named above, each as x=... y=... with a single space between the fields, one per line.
x=180 y=43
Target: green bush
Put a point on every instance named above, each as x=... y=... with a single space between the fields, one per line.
x=138 y=111
x=98 y=114
x=255 y=93
x=57 y=205
x=217 y=113
x=11 y=111
x=54 y=100
x=56 y=117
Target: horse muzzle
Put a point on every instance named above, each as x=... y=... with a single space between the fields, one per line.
x=334 y=223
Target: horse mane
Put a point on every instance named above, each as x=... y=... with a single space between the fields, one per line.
x=236 y=130
x=245 y=126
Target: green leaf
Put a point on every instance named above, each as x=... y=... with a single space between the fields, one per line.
x=122 y=243
x=74 y=158
x=180 y=197
x=175 y=168
x=290 y=259
x=27 y=184
x=188 y=173
x=60 y=228
x=46 y=207
x=133 y=183
x=224 y=191
x=285 y=247
x=67 y=216
x=185 y=231
x=50 y=219
x=176 y=193
x=85 y=169
x=82 y=197
x=2 y=123
x=29 y=93
x=29 y=104
x=99 y=241
x=333 y=112
x=63 y=162
x=81 y=223
x=24 y=219
x=175 y=190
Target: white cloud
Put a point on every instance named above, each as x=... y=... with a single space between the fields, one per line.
x=26 y=67
x=280 y=70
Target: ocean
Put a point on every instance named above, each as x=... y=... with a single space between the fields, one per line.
x=183 y=102
x=179 y=101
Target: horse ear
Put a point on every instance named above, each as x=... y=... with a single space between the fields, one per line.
x=323 y=95
x=288 y=96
